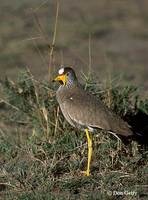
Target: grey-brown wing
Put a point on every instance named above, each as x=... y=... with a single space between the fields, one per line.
x=87 y=110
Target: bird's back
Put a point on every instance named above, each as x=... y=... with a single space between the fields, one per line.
x=83 y=108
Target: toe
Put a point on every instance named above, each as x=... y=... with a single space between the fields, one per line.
x=85 y=173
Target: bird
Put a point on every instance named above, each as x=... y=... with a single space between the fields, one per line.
x=85 y=111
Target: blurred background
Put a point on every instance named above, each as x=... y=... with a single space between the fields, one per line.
x=115 y=32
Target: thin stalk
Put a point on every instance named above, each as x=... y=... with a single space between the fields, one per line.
x=53 y=41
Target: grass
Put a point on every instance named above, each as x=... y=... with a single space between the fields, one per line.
x=42 y=155
x=27 y=29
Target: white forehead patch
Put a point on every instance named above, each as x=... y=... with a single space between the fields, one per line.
x=61 y=71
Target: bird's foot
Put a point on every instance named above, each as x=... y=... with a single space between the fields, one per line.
x=86 y=173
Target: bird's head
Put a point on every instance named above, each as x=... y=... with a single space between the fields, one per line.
x=66 y=76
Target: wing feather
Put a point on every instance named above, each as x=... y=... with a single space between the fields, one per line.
x=85 y=109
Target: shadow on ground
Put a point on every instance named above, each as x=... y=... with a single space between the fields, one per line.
x=139 y=123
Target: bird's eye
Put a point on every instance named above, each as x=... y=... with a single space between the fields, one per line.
x=67 y=73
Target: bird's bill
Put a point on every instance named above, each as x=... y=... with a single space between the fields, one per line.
x=62 y=78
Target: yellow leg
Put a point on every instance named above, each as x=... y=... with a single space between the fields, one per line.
x=89 y=142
